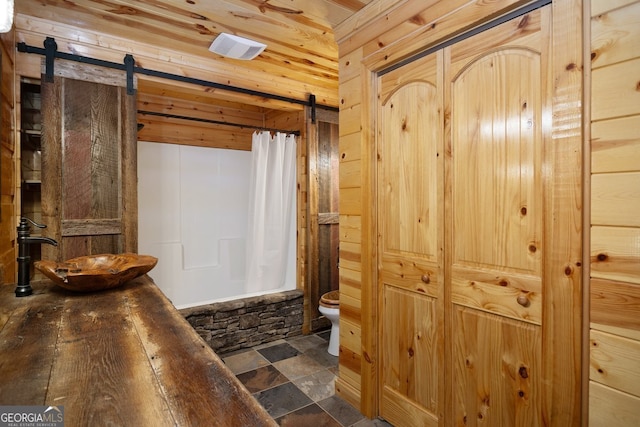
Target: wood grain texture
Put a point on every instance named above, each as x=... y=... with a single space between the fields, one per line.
x=298 y=34
x=9 y=195
x=414 y=26
x=322 y=191
x=408 y=170
x=614 y=250
x=499 y=148
x=129 y=170
x=51 y=194
x=121 y=357
x=78 y=71
x=497 y=370
x=615 y=145
x=329 y=204
x=614 y=362
x=28 y=338
x=497 y=169
x=615 y=90
x=370 y=308
x=610 y=407
x=104 y=377
x=197 y=366
x=348 y=392
x=417 y=275
x=94 y=134
x=173 y=36
x=197 y=135
x=615 y=34
x=350 y=336
x=598 y=7
x=410 y=348
x=355 y=23
x=410 y=224
x=615 y=253
x=563 y=300
x=81 y=227
x=425 y=25
x=615 y=199
x=96 y=273
x=615 y=304
x=92 y=145
x=517 y=297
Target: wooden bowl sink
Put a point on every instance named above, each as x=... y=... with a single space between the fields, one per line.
x=96 y=272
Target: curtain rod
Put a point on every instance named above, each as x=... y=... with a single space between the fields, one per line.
x=217 y=122
x=50 y=51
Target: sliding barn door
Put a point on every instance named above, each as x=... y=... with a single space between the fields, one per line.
x=323 y=202
x=410 y=226
x=89 y=184
x=499 y=95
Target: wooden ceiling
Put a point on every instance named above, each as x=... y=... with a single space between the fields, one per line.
x=174 y=36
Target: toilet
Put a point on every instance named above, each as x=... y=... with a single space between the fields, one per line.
x=330 y=308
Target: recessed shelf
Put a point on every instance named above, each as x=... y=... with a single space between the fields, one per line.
x=30 y=159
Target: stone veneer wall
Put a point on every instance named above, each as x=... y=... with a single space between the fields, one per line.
x=247 y=322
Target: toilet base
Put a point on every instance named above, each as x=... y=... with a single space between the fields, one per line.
x=334 y=340
x=333 y=315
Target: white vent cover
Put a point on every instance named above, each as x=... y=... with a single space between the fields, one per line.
x=236 y=47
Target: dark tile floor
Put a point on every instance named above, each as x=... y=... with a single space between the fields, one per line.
x=294 y=380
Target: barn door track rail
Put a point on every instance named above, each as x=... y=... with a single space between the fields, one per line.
x=50 y=52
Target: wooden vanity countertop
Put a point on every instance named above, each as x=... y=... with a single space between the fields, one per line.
x=121 y=357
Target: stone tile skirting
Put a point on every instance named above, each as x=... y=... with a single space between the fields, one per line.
x=232 y=325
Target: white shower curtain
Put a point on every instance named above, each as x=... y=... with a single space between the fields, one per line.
x=272 y=195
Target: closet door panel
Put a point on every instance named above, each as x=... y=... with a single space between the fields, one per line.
x=409 y=176
x=499 y=96
x=410 y=230
x=494 y=358
x=496 y=162
x=496 y=173
x=411 y=360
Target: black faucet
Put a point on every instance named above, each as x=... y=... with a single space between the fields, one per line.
x=24 y=259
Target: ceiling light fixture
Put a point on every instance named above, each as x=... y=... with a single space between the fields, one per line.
x=236 y=47
x=6 y=15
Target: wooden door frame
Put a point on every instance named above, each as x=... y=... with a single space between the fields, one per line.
x=563 y=303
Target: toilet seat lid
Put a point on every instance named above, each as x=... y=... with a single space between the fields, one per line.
x=330 y=298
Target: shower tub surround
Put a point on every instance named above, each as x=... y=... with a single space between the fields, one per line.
x=193 y=205
x=247 y=322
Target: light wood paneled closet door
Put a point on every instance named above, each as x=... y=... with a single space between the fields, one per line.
x=495 y=252
x=89 y=185
x=460 y=222
x=410 y=227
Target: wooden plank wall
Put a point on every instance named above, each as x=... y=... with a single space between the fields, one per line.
x=8 y=154
x=348 y=385
x=614 y=387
